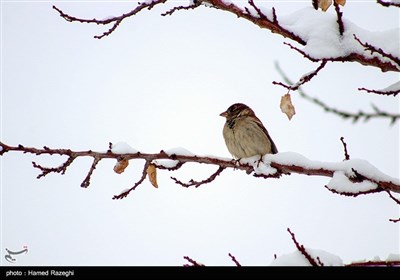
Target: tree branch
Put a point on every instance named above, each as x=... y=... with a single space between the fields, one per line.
x=234 y=260
x=303 y=251
x=192 y=262
x=304 y=79
x=343 y=114
x=346 y=155
x=258 y=18
x=339 y=18
x=373 y=49
x=271 y=166
x=388 y=4
x=114 y=20
x=375 y=263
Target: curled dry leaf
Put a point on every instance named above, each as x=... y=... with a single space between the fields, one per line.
x=340 y=2
x=324 y=4
x=287 y=106
x=120 y=166
x=152 y=174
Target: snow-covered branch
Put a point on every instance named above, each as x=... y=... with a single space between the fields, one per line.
x=350 y=177
x=394 y=3
x=322 y=35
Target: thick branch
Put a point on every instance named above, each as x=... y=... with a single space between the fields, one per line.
x=258 y=18
x=278 y=167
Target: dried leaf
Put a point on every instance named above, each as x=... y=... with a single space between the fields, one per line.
x=152 y=174
x=287 y=106
x=324 y=4
x=340 y=2
x=120 y=166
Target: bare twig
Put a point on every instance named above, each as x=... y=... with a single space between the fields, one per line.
x=144 y=174
x=234 y=259
x=192 y=262
x=346 y=155
x=304 y=79
x=86 y=182
x=179 y=8
x=381 y=92
x=197 y=184
x=394 y=220
x=303 y=250
x=345 y=115
x=388 y=4
x=393 y=198
x=339 y=18
x=114 y=20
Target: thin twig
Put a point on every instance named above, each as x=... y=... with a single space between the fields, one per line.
x=374 y=49
x=339 y=18
x=192 y=262
x=234 y=259
x=144 y=174
x=381 y=92
x=346 y=155
x=304 y=79
x=303 y=250
x=345 y=115
x=197 y=184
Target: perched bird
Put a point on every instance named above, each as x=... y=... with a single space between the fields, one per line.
x=245 y=135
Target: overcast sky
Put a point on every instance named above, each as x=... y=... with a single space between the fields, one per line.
x=160 y=83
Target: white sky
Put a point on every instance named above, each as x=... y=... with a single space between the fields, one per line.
x=159 y=83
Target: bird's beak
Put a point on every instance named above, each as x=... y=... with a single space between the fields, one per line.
x=224 y=114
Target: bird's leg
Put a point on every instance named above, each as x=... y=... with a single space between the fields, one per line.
x=260 y=160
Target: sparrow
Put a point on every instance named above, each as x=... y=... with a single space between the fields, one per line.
x=245 y=135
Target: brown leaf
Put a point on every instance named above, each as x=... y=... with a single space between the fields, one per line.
x=324 y=4
x=120 y=166
x=152 y=174
x=287 y=106
x=340 y=2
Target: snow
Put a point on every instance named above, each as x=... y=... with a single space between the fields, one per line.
x=179 y=151
x=341 y=183
x=320 y=31
x=122 y=148
x=394 y=87
x=393 y=257
x=342 y=170
x=167 y=163
x=298 y=259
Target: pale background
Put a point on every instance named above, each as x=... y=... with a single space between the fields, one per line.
x=159 y=83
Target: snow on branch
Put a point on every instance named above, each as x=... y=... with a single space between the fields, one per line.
x=322 y=35
x=303 y=251
x=390 y=3
x=350 y=177
x=355 y=117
